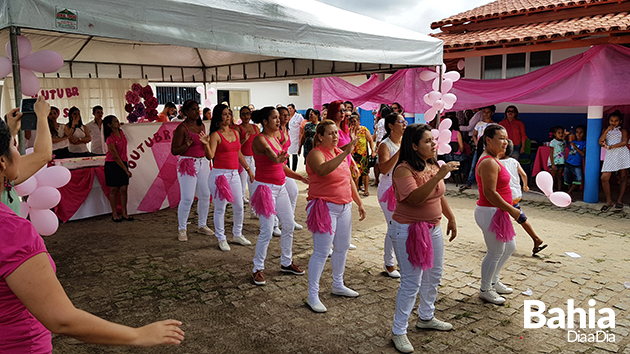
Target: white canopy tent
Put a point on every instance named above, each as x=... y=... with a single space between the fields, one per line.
x=214 y=40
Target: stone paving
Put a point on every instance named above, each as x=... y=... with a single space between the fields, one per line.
x=140 y=274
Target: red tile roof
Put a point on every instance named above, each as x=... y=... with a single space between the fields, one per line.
x=503 y=8
x=538 y=31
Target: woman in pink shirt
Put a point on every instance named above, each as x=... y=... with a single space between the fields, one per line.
x=270 y=196
x=416 y=233
x=329 y=210
x=32 y=301
x=223 y=147
x=493 y=212
x=117 y=172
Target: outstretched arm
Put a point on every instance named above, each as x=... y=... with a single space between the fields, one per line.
x=42 y=148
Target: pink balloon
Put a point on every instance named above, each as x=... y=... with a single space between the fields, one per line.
x=30 y=83
x=429 y=115
x=461 y=64
x=435 y=133
x=544 y=181
x=438 y=105
x=5 y=67
x=444 y=148
x=24 y=209
x=448 y=105
x=427 y=99
x=207 y=102
x=445 y=124
x=24 y=47
x=44 y=221
x=453 y=75
x=27 y=187
x=199 y=90
x=212 y=91
x=560 y=199
x=441 y=163
x=54 y=176
x=45 y=197
x=436 y=84
x=447 y=85
x=428 y=75
x=434 y=96
x=445 y=136
x=449 y=98
x=44 y=61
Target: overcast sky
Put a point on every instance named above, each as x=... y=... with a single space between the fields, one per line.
x=415 y=15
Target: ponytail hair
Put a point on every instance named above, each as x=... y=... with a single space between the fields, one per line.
x=390 y=119
x=260 y=115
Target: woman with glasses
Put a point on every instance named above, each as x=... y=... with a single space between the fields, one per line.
x=515 y=129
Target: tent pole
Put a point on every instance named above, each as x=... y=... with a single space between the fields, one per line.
x=592 y=158
x=437 y=115
x=17 y=81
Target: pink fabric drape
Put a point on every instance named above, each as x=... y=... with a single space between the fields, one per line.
x=597 y=77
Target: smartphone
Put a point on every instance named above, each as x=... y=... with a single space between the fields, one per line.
x=29 y=118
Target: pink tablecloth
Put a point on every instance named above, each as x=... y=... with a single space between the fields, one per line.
x=76 y=191
x=540 y=162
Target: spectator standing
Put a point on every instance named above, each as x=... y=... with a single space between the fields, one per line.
x=515 y=129
x=98 y=146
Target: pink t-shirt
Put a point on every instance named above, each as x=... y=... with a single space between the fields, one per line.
x=430 y=210
x=120 y=144
x=336 y=186
x=20 y=331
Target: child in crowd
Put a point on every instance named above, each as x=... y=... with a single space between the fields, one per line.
x=614 y=140
x=516 y=171
x=573 y=163
x=556 y=155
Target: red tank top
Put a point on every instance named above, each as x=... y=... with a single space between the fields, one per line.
x=196 y=148
x=246 y=148
x=503 y=185
x=226 y=156
x=268 y=171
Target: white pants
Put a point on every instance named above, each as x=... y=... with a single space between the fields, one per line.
x=388 y=256
x=285 y=214
x=187 y=187
x=341 y=217
x=293 y=191
x=498 y=252
x=245 y=183
x=413 y=279
x=234 y=181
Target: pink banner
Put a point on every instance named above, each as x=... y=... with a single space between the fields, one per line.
x=598 y=77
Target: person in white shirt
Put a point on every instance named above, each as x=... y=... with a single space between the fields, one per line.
x=476 y=118
x=96 y=132
x=294 y=133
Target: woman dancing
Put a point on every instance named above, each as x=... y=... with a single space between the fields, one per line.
x=493 y=212
x=193 y=169
x=270 y=195
x=416 y=232
x=329 y=210
x=223 y=147
x=388 y=152
x=247 y=132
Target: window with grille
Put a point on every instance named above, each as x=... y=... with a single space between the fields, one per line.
x=177 y=95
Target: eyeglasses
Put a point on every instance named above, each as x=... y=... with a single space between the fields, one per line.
x=403 y=122
x=510 y=111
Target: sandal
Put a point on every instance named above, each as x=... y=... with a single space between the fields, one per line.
x=366 y=194
x=129 y=218
x=605 y=208
x=464 y=187
x=619 y=206
x=538 y=249
x=116 y=220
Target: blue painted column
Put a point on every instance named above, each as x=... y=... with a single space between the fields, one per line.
x=593 y=150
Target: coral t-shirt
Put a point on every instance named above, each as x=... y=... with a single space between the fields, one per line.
x=20 y=331
x=431 y=209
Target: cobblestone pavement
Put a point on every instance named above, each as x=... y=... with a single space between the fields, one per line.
x=134 y=273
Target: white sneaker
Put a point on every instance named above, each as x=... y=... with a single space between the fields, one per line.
x=393 y=274
x=330 y=253
x=182 y=235
x=434 y=323
x=345 y=291
x=241 y=240
x=205 y=230
x=223 y=246
x=245 y=200
x=502 y=288
x=316 y=306
x=352 y=247
x=298 y=226
x=402 y=343
x=277 y=232
x=491 y=296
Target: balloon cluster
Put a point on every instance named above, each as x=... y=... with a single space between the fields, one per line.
x=207 y=102
x=139 y=110
x=43 y=195
x=43 y=61
x=544 y=181
x=442 y=137
x=439 y=99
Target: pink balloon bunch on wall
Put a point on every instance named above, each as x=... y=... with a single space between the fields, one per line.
x=544 y=181
x=43 y=61
x=43 y=195
x=439 y=99
x=207 y=102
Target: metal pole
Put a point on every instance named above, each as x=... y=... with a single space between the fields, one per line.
x=437 y=115
x=17 y=82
